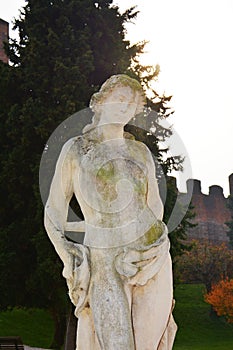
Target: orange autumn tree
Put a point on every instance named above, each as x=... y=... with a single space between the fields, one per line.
x=221 y=298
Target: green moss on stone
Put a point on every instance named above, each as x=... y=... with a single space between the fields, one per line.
x=153 y=233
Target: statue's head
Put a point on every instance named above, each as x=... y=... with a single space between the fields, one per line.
x=119 y=99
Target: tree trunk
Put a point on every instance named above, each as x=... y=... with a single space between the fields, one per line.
x=213 y=313
x=60 y=327
x=71 y=330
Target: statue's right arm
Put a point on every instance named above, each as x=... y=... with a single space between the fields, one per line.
x=56 y=208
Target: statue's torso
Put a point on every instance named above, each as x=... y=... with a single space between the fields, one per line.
x=111 y=184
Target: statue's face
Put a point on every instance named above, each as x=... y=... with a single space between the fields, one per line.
x=119 y=106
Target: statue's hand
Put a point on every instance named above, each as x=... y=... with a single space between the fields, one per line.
x=73 y=249
x=74 y=257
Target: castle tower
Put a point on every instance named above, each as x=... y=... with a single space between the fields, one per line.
x=4 y=34
x=211 y=211
x=231 y=184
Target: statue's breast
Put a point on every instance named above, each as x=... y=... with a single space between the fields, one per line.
x=112 y=179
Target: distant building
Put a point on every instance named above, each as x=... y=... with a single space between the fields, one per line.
x=4 y=35
x=211 y=211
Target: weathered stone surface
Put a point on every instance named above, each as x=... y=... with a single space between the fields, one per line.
x=120 y=279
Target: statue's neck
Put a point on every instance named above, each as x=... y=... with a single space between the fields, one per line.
x=110 y=131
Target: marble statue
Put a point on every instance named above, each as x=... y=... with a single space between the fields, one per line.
x=120 y=278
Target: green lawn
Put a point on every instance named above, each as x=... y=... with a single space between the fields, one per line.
x=35 y=327
x=197 y=331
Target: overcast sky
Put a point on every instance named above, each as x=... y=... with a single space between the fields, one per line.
x=192 y=43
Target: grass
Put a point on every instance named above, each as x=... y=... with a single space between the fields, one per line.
x=197 y=331
x=34 y=326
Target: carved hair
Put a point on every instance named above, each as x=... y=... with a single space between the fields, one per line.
x=115 y=81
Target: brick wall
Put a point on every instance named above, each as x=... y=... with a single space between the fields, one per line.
x=4 y=34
